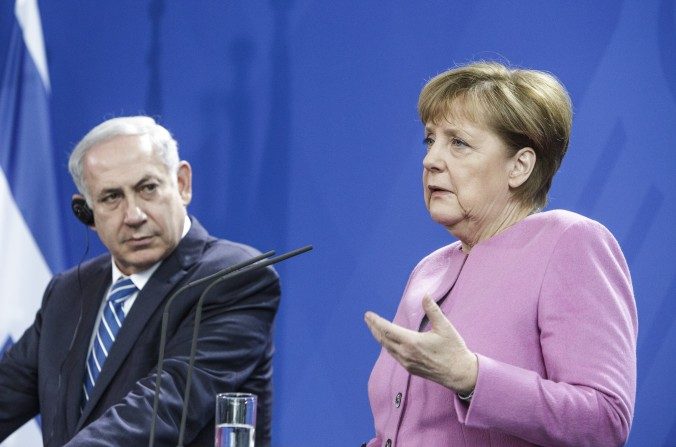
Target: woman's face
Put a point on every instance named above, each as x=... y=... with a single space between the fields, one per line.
x=466 y=176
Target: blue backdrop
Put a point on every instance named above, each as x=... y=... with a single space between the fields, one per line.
x=299 y=119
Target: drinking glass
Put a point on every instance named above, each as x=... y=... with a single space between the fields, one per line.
x=235 y=419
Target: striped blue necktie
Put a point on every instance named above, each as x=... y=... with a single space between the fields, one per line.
x=110 y=324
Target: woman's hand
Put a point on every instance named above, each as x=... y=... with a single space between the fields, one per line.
x=439 y=355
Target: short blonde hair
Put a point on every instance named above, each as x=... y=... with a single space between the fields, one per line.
x=525 y=108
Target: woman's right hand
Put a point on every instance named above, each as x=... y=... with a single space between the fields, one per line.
x=440 y=354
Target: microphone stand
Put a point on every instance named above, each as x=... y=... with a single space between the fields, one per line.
x=165 y=322
x=240 y=269
x=198 y=317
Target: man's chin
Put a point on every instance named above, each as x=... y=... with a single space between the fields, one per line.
x=139 y=261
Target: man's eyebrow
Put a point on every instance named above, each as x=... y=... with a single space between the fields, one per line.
x=106 y=191
x=146 y=179
x=119 y=189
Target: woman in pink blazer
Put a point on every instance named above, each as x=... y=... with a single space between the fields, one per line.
x=523 y=332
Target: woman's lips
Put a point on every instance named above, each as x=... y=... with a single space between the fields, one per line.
x=436 y=191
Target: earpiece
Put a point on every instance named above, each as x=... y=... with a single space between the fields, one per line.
x=82 y=211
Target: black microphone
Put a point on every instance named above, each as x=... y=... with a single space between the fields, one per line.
x=198 y=316
x=165 y=322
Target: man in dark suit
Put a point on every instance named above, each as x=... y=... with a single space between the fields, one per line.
x=97 y=392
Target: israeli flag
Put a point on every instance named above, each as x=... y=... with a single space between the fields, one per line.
x=31 y=245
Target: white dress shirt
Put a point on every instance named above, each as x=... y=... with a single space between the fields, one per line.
x=139 y=279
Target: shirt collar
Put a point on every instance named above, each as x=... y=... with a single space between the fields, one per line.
x=141 y=278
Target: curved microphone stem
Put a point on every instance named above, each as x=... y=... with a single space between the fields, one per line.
x=198 y=316
x=165 y=321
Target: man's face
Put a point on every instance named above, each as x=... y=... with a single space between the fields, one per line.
x=139 y=207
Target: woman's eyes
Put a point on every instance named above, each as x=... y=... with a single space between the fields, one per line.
x=454 y=141
x=458 y=142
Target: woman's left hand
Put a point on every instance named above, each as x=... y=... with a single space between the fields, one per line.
x=439 y=355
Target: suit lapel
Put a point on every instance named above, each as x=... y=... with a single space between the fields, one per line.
x=165 y=279
x=93 y=290
x=438 y=282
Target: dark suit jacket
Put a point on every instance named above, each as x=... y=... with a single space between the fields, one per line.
x=43 y=372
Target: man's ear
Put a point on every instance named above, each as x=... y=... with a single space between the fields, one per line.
x=523 y=163
x=82 y=211
x=184 y=181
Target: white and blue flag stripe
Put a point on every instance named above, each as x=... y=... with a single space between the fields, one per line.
x=31 y=238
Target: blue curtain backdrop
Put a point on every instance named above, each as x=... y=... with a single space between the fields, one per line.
x=299 y=119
